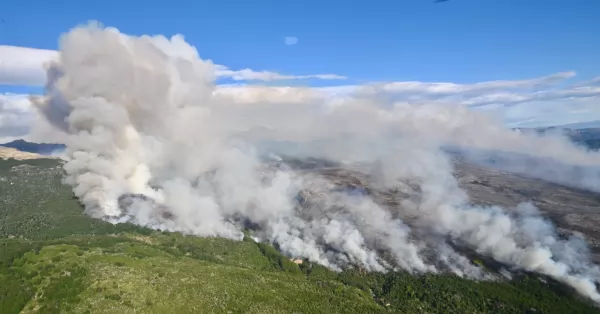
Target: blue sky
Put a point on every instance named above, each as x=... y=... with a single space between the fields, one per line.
x=461 y=41
x=533 y=62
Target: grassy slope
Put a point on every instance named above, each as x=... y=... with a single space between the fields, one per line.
x=53 y=258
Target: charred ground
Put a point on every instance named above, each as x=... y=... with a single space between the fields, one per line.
x=571 y=210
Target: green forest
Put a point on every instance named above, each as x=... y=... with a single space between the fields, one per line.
x=56 y=259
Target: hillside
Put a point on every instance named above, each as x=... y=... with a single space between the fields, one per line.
x=37 y=148
x=6 y=153
x=54 y=258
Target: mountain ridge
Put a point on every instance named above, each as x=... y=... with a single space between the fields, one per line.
x=36 y=148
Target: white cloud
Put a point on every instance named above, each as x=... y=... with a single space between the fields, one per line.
x=554 y=112
x=444 y=89
x=19 y=119
x=25 y=66
x=593 y=82
x=527 y=109
x=541 y=101
x=251 y=75
x=290 y=40
x=16 y=116
x=537 y=101
x=511 y=99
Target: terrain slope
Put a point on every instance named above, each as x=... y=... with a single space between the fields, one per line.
x=56 y=259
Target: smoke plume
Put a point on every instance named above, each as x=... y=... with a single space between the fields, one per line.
x=152 y=141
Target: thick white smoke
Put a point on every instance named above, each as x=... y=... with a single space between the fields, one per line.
x=151 y=140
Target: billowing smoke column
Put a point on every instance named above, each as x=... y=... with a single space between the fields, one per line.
x=152 y=141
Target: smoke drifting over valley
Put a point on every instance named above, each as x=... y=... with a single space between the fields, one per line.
x=151 y=141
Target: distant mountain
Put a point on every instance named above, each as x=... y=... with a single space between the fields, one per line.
x=581 y=125
x=589 y=137
x=37 y=148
